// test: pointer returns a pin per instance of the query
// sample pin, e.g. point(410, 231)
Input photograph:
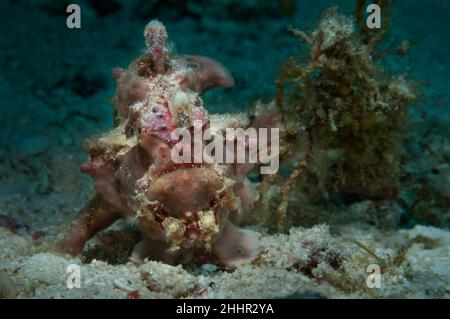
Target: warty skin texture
point(184, 211)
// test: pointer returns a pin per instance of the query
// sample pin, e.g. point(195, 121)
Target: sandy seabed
point(306, 263)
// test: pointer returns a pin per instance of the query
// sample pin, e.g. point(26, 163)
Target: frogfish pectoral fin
point(236, 246)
